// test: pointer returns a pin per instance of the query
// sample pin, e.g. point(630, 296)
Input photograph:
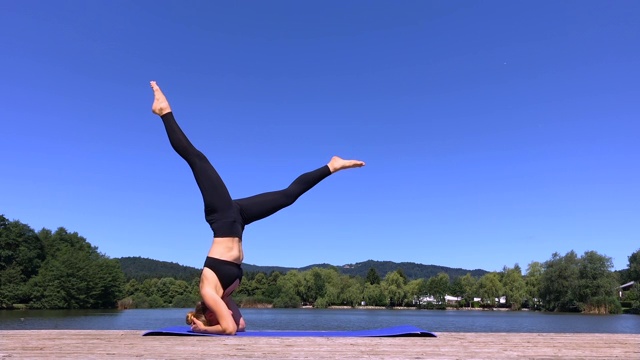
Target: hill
point(411, 270)
point(142, 268)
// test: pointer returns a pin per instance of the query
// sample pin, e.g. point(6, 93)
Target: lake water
point(329, 319)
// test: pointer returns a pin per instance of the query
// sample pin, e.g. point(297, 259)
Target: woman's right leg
point(214, 192)
point(260, 206)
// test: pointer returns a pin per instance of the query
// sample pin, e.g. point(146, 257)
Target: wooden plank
point(82, 344)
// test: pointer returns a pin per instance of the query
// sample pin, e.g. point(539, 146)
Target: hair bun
point(189, 319)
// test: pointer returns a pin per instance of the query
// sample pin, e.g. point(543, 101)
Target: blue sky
point(494, 132)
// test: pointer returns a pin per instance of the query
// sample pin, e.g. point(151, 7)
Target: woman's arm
point(226, 324)
point(235, 312)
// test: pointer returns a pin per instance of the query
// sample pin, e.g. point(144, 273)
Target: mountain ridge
point(140, 268)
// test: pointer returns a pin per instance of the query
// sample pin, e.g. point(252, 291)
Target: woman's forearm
point(217, 329)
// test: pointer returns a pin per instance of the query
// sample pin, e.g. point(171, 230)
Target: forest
point(61, 270)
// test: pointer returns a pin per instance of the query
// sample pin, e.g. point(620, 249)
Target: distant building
point(625, 287)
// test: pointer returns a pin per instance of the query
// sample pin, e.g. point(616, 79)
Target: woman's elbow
point(230, 329)
point(241, 326)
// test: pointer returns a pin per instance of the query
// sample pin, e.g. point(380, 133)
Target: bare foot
point(337, 164)
point(160, 104)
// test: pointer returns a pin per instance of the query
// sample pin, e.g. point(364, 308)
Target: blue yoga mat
point(396, 331)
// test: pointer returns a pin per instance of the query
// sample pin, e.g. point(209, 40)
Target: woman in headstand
point(217, 313)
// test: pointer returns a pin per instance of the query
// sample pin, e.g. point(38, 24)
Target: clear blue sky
point(494, 132)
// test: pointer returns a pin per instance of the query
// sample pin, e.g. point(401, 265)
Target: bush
point(126, 303)
point(253, 301)
point(156, 301)
point(626, 304)
point(185, 301)
point(321, 303)
point(287, 301)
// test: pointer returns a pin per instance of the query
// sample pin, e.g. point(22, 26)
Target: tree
point(291, 284)
point(372, 276)
point(596, 290)
point(74, 275)
point(352, 292)
point(314, 285)
point(633, 296)
point(468, 285)
point(416, 288)
point(11, 288)
point(163, 289)
point(514, 286)
point(374, 295)
point(393, 287)
point(533, 281)
point(20, 247)
point(273, 290)
point(464, 287)
point(21, 255)
point(438, 287)
point(559, 282)
point(334, 287)
point(489, 288)
point(259, 284)
point(634, 266)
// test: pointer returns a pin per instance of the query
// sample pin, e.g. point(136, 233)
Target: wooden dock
point(83, 344)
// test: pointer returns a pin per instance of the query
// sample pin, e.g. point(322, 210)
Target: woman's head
point(199, 314)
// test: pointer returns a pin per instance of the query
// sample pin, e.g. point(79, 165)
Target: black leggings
point(228, 217)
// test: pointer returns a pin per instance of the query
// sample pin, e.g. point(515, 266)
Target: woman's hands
point(198, 326)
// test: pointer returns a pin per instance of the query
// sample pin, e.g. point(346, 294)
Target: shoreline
point(366, 307)
point(117, 344)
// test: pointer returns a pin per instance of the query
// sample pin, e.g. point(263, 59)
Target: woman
point(217, 313)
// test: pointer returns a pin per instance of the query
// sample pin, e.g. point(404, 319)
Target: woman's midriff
point(228, 248)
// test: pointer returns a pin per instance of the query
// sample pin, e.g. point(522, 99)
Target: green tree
point(333, 288)
point(184, 301)
point(273, 290)
point(372, 276)
point(374, 295)
point(634, 266)
point(21, 255)
point(467, 286)
point(515, 288)
point(313, 285)
point(163, 289)
point(403, 276)
point(533, 283)
point(415, 289)
point(131, 287)
point(148, 287)
point(292, 285)
point(438, 287)
point(559, 282)
point(352, 290)
point(11, 287)
point(258, 284)
point(393, 287)
point(74, 275)
point(107, 283)
point(633, 296)
point(597, 284)
point(489, 288)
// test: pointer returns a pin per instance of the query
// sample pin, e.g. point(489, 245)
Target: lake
point(329, 319)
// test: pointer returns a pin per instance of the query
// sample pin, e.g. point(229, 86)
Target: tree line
point(54, 270)
point(61, 270)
